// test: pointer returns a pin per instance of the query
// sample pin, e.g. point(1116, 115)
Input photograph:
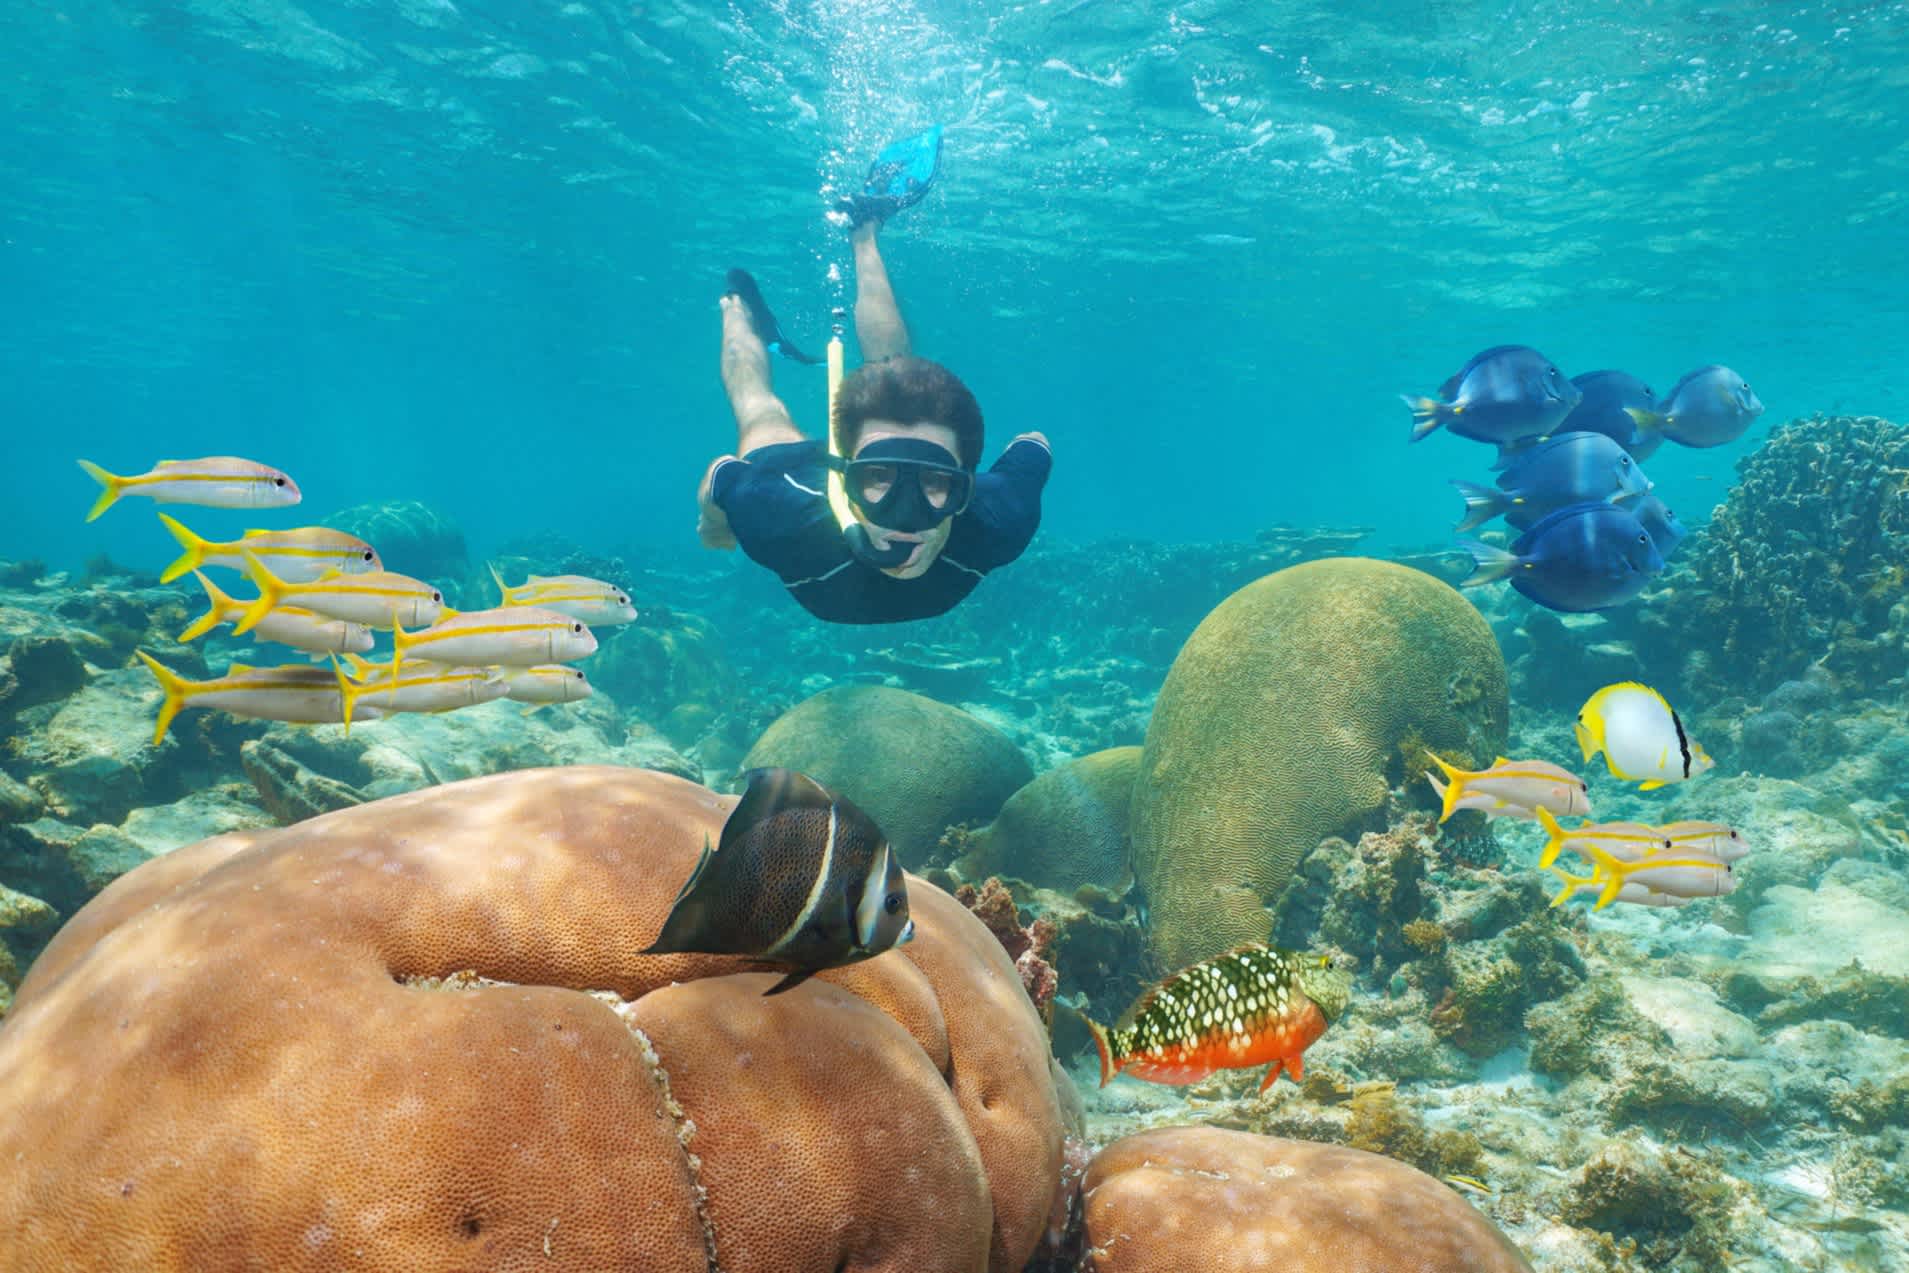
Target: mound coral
point(418, 1034)
point(1201, 1198)
point(1287, 715)
point(917, 766)
point(1065, 829)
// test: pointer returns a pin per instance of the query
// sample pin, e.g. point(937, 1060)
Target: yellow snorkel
point(853, 532)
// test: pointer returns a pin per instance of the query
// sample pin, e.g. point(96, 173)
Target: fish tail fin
point(271, 592)
point(111, 488)
point(1108, 1066)
point(1608, 871)
point(502, 587)
point(1554, 844)
point(176, 689)
point(194, 555)
point(1489, 564)
point(217, 604)
point(1427, 414)
point(1647, 421)
point(399, 639)
point(1572, 883)
point(1482, 503)
point(1454, 788)
point(347, 692)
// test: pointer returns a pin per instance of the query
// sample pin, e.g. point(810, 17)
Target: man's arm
point(1006, 509)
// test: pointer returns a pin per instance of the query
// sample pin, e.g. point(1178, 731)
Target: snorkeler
point(915, 526)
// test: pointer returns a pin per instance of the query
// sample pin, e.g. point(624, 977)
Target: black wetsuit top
point(777, 504)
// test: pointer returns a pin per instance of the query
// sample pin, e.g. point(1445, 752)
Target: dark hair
point(907, 390)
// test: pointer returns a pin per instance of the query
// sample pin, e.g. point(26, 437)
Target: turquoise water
point(470, 252)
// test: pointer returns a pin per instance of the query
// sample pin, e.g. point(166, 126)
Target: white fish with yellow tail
point(1642, 738)
point(1625, 841)
point(302, 693)
point(419, 687)
point(547, 683)
point(1488, 804)
point(1714, 839)
point(515, 636)
point(217, 481)
point(1524, 784)
point(596, 603)
point(379, 599)
point(301, 629)
point(1686, 875)
point(296, 556)
point(1635, 894)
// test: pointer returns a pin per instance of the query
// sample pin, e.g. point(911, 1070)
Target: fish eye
point(279, 481)
point(892, 904)
point(437, 596)
point(1624, 463)
point(369, 555)
point(576, 627)
point(579, 674)
point(1644, 538)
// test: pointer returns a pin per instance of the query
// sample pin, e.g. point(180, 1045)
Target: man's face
point(929, 543)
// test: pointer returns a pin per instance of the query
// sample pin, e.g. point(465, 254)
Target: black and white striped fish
point(801, 879)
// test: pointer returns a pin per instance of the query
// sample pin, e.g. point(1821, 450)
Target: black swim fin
point(899, 178)
point(744, 289)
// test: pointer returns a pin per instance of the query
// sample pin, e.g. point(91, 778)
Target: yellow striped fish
point(299, 692)
point(296, 556)
point(217, 481)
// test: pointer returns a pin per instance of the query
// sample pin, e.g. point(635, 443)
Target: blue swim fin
point(899, 178)
point(743, 288)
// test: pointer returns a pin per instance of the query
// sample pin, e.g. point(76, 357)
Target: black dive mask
point(905, 484)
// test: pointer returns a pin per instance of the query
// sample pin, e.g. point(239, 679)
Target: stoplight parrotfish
point(1252, 1005)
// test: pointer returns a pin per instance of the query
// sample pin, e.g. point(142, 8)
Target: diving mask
point(905, 484)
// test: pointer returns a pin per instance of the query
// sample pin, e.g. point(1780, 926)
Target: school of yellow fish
point(324, 593)
point(1642, 740)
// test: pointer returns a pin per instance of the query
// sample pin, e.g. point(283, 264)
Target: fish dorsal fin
point(1502, 760)
point(330, 572)
point(771, 791)
point(702, 864)
point(254, 534)
point(239, 669)
point(540, 578)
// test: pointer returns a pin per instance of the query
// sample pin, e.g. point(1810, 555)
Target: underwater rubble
point(1717, 1086)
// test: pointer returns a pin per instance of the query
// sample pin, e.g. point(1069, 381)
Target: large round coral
point(420, 1034)
point(1289, 712)
point(1183, 1198)
point(1066, 828)
point(917, 766)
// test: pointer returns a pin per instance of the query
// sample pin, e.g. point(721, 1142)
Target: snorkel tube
point(854, 534)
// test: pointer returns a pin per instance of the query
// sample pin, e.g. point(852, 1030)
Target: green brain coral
point(1066, 828)
point(916, 766)
point(1289, 712)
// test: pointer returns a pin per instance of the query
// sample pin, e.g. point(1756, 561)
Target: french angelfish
point(1503, 394)
point(1252, 1005)
point(801, 880)
point(1642, 737)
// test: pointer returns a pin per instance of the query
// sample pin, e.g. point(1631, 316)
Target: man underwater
point(907, 437)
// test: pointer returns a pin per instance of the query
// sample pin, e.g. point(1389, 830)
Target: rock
point(1065, 829)
point(199, 816)
point(289, 791)
point(668, 661)
point(19, 802)
point(66, 864)
point(93, 760)
point(1675, 1212)
point(40, 669)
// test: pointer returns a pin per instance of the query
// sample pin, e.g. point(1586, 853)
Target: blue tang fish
point(1506, 393)
point(1709, 407)
point(1609, 397)
point(1665, 530)
point(1565, 468)
point(1581, 557)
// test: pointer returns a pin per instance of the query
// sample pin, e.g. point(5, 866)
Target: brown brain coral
point(1066, 828)
point(917, 766)
point(1288, 713)
point(1183, 1198)
point(417, 1034)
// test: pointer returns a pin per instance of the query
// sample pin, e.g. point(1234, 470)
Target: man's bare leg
point(761, 419)
point(878, 321)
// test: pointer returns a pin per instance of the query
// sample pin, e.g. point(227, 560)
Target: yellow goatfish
point(1677, 874)
point(288, 625)
point(422, 687)
point(296, 556)
point(516, 636)
point(1635, 894)
point(1625, 841)
point(1527, 784)
point(548, 683)
point(597, 603)
point(299, 692)
point(380, 599)
point(217, 481)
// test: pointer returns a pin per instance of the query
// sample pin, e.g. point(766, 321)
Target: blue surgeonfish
point(1581, 557)
point(1709, 407)
point(1642, 737)
point(1665, 530)
point(801, 880)
point(1609, 398)
point(1566, 468)
point(1503, 394)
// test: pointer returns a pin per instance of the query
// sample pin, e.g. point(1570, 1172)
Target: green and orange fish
point(1252, 1005)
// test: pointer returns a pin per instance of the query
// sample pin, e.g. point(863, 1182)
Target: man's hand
point(1032, 437)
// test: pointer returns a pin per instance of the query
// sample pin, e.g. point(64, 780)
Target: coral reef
point(466, 981)
point(1286, 717)
point(1066, 829)
point(417, 540)
point(1028, 945)
point(917, 766)
point(1202, 1198)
